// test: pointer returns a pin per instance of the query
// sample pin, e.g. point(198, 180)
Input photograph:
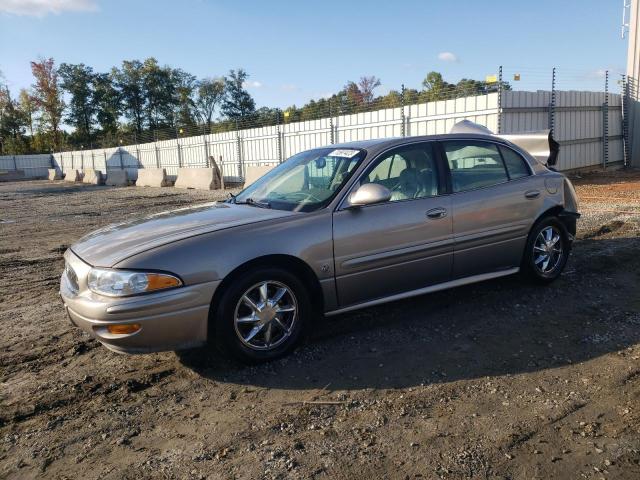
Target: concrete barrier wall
point(199, 178)
point(152, 177)
point(54, 174)
point(117, 178)
point(73, 176)
point(255, 172)
point(94, 177)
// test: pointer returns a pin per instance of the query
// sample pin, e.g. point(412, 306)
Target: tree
point(107, 102)
point(210, 92)
point(12, 124)
point(159, 93)
point(28, 108)
point(77, 80)
point(130, 82)
point(237, 101)
point(47, 96)
point(436, 88)
point(367, 85)
point(184, 88)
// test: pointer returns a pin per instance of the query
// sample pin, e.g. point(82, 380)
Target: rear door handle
point(437, 213)
point(532, 194)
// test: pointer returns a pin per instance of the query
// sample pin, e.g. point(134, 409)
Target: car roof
point(384, 143)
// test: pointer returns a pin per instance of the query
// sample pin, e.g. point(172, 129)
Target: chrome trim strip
point(421, 291)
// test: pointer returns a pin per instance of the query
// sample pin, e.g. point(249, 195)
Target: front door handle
point(532, 194)
point(437, 213)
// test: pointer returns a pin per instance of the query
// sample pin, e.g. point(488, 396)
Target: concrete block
point(117, 178)
point(152, 177)
point(54, 174)
point(11, 175)
point(254, 172)
point(199, 178)
point(73, 176)
point(94, 177)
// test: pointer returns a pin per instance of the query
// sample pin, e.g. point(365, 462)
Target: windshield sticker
point(343, 153)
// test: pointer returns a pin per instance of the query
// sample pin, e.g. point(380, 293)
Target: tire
point(539, 249)
point(277, 326)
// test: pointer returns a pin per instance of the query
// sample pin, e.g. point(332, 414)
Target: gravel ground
point(496, 380)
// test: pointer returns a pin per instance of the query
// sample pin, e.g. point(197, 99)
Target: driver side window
point(409, 172)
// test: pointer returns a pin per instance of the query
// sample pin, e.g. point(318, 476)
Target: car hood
point(114, 243)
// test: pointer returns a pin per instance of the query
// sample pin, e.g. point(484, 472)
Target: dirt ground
point(496, 380)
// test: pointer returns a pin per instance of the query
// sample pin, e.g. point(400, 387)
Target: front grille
point(72, 278)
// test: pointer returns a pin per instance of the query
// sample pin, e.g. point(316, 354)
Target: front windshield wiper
point(252, 202)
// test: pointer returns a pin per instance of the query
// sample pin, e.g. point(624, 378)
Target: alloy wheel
point(547, 250)
point(265, 315)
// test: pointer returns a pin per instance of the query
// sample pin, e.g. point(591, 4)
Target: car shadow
point(499, 327)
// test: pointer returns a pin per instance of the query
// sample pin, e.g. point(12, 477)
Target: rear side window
point(516, 165)
point(474, 164)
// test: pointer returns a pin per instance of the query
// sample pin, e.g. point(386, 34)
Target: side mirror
point(368, 194)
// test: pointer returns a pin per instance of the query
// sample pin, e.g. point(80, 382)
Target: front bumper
point(170, 320)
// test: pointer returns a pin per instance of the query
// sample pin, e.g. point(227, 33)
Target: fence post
point(121, 162)
point(206, 150)
point(605, 122)
point(82, 160)
point(106, 166)
point(179, 153)
point(499, 126)
point(278, 144)
point(93, 160)
point(552, 104)
point(239, 151)
point(402, 117)
point(332, 139)
point(625, 119)
point(15, 163)
point(155, 147)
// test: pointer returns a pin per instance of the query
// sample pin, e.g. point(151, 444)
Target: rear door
point(493, 206)
point(401, 245)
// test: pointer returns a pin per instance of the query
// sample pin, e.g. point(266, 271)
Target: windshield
point(306, 182)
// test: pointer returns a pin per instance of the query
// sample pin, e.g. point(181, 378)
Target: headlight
point(122, 283)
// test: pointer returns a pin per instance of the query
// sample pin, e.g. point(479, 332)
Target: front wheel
point(261, 316)
point(547, 251)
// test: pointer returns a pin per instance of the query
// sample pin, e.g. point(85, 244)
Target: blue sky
point(297, 50)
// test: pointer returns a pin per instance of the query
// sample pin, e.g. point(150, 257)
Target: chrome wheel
point(265, 315)
point(547, 250)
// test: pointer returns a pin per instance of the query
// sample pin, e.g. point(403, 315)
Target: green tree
point(78, 81)
point(107, 102)
point(237, 101)
point(184, 92)
point(28, 108)
point(210, 92)
point(130, 82)
point(48, 97)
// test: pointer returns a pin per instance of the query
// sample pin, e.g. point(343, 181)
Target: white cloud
point(448, 57)
point(40, 8)
point(252, 84)
point(289, 87)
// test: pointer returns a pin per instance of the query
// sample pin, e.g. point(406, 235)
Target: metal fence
point(588, 125)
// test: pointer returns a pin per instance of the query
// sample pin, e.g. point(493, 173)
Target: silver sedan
point(330, 230)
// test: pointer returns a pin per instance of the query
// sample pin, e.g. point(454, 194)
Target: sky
point(298, 50)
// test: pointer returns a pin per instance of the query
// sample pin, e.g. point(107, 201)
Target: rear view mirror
point(321, 163)
point(369, 194)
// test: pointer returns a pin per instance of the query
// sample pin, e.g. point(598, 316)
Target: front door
point(397, 246)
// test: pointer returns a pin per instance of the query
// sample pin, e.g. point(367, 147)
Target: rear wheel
point(547, 251)
point(262, 315)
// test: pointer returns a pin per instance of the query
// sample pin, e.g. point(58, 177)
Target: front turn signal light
point(123, 329)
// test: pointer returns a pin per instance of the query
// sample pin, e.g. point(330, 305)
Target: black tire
point(533, 258)
point(226, 333)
